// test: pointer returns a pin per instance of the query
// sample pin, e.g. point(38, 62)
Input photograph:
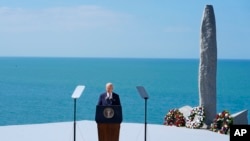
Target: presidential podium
point(108, 119)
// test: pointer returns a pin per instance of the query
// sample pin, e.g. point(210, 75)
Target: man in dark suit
point(109, 97)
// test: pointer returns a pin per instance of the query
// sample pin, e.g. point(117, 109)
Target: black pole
point(74, 119)
point(145, 137)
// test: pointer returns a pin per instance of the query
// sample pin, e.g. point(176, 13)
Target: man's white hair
point(109, 84)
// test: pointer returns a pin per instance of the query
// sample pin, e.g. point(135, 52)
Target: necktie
point(109, 99)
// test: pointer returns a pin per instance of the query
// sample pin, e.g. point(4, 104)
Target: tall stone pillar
point(208, 64)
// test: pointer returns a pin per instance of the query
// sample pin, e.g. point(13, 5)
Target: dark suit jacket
point(105, 102)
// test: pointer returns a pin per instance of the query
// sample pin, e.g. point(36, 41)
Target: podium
point(108, 119)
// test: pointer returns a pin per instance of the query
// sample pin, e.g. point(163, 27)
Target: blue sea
point(38, 90)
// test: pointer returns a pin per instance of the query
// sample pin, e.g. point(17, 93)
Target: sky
point(121, 28)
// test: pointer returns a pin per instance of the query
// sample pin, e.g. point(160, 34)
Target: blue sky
point(121, 28)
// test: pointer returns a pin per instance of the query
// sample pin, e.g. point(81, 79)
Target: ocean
point(38, 90)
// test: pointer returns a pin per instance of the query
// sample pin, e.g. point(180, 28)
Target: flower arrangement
point(222, 123)
point(174, 118)
point(196, 118)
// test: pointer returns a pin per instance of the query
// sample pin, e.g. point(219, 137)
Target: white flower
point(226, 115)
point(196, 118)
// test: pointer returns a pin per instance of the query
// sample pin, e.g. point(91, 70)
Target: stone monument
point(208, 64)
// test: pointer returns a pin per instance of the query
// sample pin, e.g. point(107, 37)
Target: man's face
point(109, 88)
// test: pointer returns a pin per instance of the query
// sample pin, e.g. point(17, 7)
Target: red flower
point(174, 117)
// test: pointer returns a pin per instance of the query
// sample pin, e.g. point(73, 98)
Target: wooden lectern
point(108, 119)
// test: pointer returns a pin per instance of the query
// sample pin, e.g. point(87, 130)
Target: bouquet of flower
point(222, 123)
point(196, 118)
point(174, 118)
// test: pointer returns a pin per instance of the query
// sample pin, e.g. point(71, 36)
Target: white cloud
point(59, 18)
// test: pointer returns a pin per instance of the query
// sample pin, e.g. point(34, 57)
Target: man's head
point(109, 87)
